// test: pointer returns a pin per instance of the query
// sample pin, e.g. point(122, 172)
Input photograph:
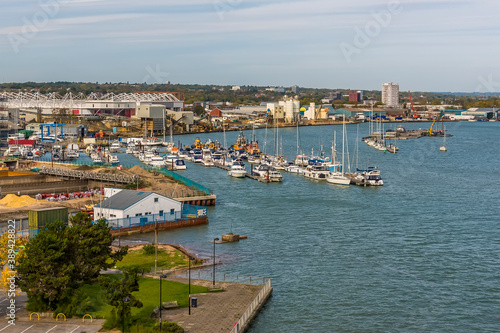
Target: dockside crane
point(415, 115)
point(441, 114)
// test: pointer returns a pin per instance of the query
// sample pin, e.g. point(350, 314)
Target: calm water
point(420, 254)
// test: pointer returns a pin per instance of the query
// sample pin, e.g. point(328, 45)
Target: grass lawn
point(166, 260)
point(149, 294)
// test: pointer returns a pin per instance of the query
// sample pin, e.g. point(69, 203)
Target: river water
point(420, 254)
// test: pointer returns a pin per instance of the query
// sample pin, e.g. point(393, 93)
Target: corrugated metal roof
point(123, 199)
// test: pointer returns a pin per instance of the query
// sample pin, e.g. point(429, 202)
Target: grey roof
point(123, 199)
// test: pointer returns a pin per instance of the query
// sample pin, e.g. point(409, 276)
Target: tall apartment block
point(390, 94)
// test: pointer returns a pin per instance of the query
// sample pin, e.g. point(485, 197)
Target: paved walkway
point(44, 325)
point(217, 311)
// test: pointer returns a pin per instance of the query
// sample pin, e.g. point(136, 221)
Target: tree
point(60, 259)
point(199, 110)
point(117, 291)
point(5, 246)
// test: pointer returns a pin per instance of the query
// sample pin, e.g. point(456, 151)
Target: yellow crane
point(436, 119)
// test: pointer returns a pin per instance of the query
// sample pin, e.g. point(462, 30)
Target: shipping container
point(39, 218)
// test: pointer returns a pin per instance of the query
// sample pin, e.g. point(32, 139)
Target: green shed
point(39, 218)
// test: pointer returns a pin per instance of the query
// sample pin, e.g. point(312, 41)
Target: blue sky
point(434, 45)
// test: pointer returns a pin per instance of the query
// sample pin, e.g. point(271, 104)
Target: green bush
point(112, 321)
point(166, 327)
point(78, 305)
point(149, 249)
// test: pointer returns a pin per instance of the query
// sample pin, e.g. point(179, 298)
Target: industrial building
point(124, 104)
point(287, 109)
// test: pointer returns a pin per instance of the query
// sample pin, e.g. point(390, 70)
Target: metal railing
point(186, 181)
point(250, 311)
point(99, 176)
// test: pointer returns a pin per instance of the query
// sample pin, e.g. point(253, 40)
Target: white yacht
point(156, 161)
point(237, 171)
point(267, 172)
point(207, 161)
point(151, 142)
point(179, 165)
point(316, 171)
point(131, 148)
point(369, 177)
point(301, 160)
point(115, 147)
point(183, 153)
point(72, 151)
point(113, 159)
point(292, 168)
point(338, 178)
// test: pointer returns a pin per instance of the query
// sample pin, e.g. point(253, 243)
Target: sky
point(424, 45)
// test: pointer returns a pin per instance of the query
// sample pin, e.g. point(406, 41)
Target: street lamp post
point(163, 276)
point(215, 240)
point(125, 300)
point(189, 283)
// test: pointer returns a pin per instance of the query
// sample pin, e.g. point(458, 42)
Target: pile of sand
point(137, 170)
point(12, 200)
point(84, 168)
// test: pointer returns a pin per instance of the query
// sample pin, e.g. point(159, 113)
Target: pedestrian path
point(216, 311)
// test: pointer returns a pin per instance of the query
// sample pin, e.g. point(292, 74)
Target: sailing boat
point(443, 146)
point(338, 177)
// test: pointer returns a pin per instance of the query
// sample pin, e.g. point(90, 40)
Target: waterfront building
point(390, 94)
point(120, 203)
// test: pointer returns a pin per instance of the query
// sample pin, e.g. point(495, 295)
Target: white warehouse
point(121, 204)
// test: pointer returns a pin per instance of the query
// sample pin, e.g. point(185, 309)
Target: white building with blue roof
point(123, 204)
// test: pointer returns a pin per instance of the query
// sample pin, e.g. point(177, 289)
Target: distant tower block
point(390, 94)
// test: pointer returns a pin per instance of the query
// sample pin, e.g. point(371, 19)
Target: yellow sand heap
point(12, 200)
